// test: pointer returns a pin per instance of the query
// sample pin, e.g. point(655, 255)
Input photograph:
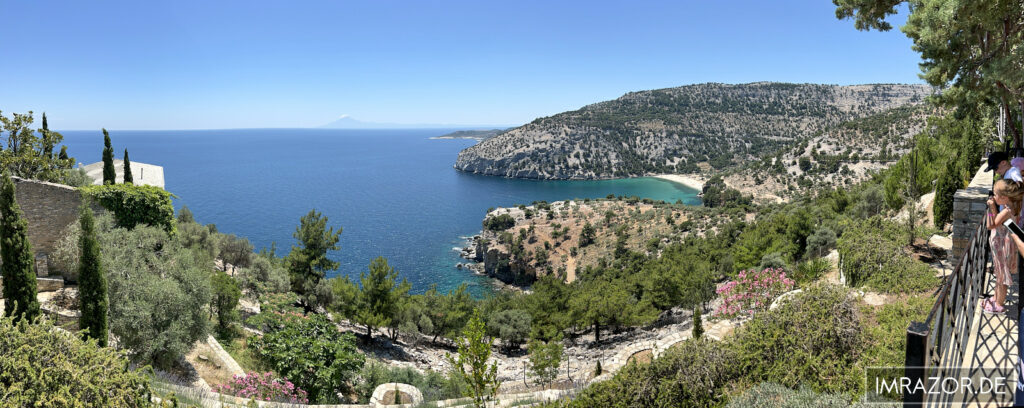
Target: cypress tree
point(47, 140)
point(18, 268)
point(109, 174)
point(128, 179)
point(698, 323)
point(92, 285)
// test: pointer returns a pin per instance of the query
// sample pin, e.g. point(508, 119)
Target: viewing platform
point(959, 343)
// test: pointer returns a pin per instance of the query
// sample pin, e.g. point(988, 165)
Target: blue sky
point(244, 64)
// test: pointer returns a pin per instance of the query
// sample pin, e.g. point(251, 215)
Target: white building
point(142, 173)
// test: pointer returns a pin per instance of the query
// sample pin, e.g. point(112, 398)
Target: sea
point(394, 193)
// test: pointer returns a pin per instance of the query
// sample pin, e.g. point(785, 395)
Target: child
point(1008, 194)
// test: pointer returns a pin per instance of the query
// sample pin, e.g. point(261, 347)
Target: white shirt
point(1013, 174)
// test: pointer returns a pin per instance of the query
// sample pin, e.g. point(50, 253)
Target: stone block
point(42, 267)
point(49, 284)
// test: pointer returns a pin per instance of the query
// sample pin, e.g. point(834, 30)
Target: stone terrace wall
point(968, 210)
point(49, 208)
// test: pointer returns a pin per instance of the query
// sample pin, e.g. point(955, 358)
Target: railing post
point(914, 366)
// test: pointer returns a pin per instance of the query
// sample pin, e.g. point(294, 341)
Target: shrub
point(264, 387)
point(46, 367)
point(812, 339)
point(809, 271)
point(63, 260)
point(753, 290)
point(775, 395)
point(203, 239)
point(311, 352)
point(157, 293)
point(264, 277)
point(511, 326)
point(873, 256)
point(870, 202)
point(235, 251)
point(820, 243)
point(133, 205)
point(275, 310)
point(885, 330)
point(499, 222)
point(434, 385)
point(225, 300)
point(691, 374)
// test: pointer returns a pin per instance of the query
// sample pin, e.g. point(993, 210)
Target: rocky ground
point(555, 230)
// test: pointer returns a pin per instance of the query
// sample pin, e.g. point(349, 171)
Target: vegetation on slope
point(676, 129)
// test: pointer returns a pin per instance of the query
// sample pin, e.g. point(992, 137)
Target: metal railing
point(936, 347)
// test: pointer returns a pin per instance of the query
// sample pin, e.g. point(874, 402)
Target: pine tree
point(109, 174)
point(698, 323)
point(92, 285)
point(128, 179)
point(18, 268)
point(63, 153)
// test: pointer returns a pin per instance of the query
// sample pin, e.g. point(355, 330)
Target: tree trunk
point(597, 332)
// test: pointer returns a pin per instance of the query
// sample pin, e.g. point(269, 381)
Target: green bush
point(434, 385)
point(691, 374)
point(46, 367)
point(872, 255)
point(63, 260)
point(885, 334)
point(264, 276)
point(777, 396)
point(820, 243)
point(158, 292)
point(809, 271)
point(813, 339)
point(312, 353)
point(511, 326)
point(225, 300)
point(499, 222)
point(133, 205)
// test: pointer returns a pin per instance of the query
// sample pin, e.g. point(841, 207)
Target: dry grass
point(208, 365)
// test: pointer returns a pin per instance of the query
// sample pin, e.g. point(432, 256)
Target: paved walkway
point(992, 350)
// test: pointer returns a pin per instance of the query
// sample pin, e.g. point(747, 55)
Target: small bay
point(394, 192)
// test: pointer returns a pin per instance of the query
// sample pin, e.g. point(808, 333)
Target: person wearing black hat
point(999, 162)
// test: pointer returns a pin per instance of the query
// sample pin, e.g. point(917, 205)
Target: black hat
point(994, 159)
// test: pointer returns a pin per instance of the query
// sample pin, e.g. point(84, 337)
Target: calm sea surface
point(394, 192)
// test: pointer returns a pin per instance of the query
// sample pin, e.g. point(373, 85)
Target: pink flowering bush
point(752, 291)
point(263, 387)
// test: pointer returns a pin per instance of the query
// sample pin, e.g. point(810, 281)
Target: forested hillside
point(679, 129)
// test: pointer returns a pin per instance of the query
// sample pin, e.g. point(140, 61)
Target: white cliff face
point(670, 130)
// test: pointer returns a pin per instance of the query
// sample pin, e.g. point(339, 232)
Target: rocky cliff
point(678, 129)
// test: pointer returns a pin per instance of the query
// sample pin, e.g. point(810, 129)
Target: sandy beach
point(690, 181)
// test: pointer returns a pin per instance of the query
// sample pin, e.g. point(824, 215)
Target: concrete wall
point(969, 209)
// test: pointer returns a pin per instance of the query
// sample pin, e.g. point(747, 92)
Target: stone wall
point(49, 208)
point(968, 210)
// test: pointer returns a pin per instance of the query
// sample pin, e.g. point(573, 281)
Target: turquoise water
point(394, 192)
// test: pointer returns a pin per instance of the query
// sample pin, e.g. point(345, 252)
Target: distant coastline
point(478, 135)
point(688, 180)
